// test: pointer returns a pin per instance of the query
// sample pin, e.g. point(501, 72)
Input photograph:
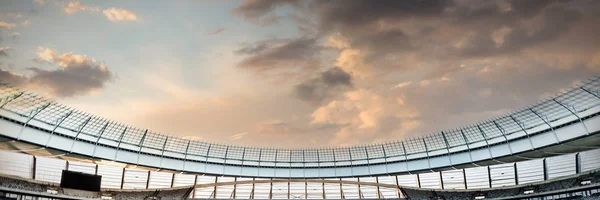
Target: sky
point(297, 74)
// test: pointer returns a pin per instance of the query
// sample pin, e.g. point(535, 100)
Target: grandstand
point(549, 150)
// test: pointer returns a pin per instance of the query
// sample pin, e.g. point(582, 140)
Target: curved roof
point(61, 119)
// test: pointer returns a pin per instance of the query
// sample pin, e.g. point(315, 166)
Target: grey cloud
point(273, 54)
point(71, 81)
point(3, 53)
point(448, 104)
point(359, 13)
point(217, 31)
point(260, 11)
point(328, 84)
point(77, 75)
point(8, 77)
point(555, 22)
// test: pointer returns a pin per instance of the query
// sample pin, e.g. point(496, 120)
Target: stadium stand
point(549, 150)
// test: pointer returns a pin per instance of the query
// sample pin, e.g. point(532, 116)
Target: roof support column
point(546, 122)
point(98, 139)
point(447, 149)
point(187, 148)
point(9, 99)
point(59, 121)
point(78, 132)
point(119, 144)
point(140, 145)
point(503, 135)
point(405, 157)
point(468, 147)
point(485, 138)
point(162, 154)
point(32, 114)
point(427, 153)
point(586, 90)
point(574, 113)
point(523, 129)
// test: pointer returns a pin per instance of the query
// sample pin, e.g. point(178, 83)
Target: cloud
point(238, 136)
point(327, 84)
point(118, 14)
point(76, 6)
point(3, 52)
point(363, 115)
point(15, 34)
point(6, 25)
point(11, 78)
point(41, 2)
point(217, 31)
point(278, 54)
point(77, 75)
point(260, 11)
point(401, 85)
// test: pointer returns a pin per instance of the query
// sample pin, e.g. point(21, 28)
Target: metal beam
point(468, 147)
point(503, 135)
point(98, 140)
point(78, 132)
point(548, 124)
point(162, 153)
point(447, 149)
point(119, 143)
point(523, 129)
point(32, 114)
point(58, 123)
point(9, 99)
point(573, 112)
point(140, 145)
point(596, 95)
point(185, 155)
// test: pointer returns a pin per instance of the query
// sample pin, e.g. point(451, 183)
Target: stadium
point(548, 150)
point(300, 99)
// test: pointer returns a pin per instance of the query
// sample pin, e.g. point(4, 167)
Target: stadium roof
point(574, 105)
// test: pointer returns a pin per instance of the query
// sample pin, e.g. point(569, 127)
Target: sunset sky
point(298, 73)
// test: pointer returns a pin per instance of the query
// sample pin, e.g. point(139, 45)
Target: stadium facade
point(553, 139)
